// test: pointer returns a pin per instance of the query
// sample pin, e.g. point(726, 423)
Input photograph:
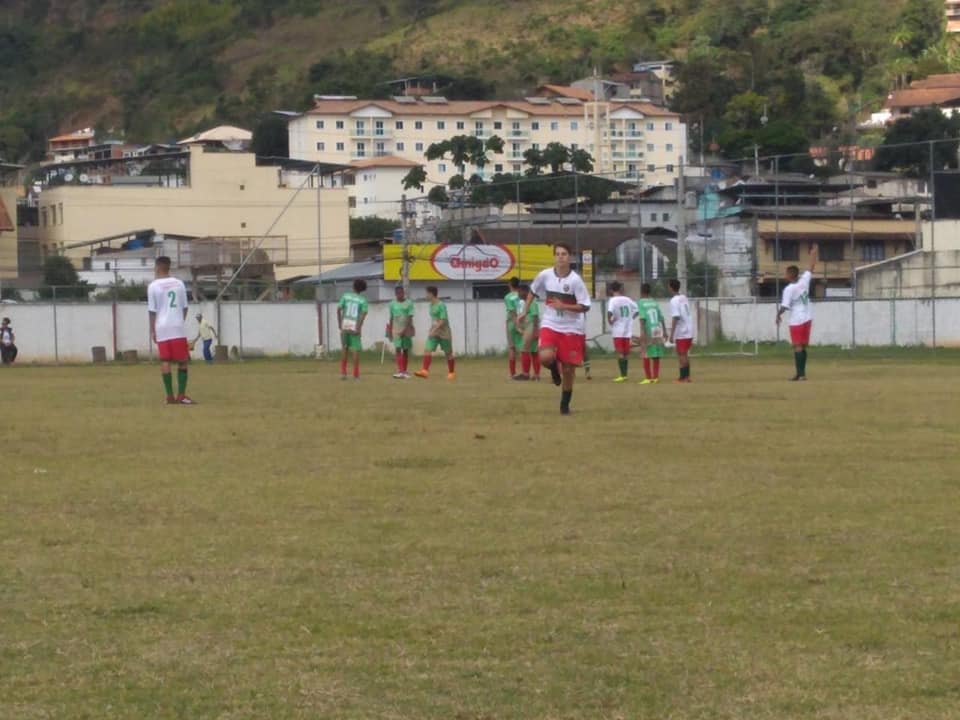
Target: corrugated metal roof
point(367, 270)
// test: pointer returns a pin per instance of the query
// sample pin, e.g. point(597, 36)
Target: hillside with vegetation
point(154, 70)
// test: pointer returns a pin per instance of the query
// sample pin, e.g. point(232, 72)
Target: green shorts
point(404, 342)
point(654, 350)
point(515, 338)
point(444, 344)
point(350, 341)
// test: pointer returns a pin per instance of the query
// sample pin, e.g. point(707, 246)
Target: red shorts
point(684, 345)
point(174, 350)
point(569, 346)
point(800, 334)
point(621, 346)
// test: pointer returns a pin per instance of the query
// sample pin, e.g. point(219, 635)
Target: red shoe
point(185, 400)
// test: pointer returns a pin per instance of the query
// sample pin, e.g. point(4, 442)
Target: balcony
point(374, 133)
point(616, 134)
point(632, 155)
point(517, 135)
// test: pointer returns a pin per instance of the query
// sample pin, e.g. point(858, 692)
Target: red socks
point(427, 359)
point(536, 364)
point(450, 363)
point(513, 365)
point(656, 368)
point(525, 360)
point(646, 369)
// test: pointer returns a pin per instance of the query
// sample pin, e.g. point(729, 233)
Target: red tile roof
point(5, 222)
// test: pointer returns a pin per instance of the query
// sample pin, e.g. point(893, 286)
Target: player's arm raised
point(814, 256)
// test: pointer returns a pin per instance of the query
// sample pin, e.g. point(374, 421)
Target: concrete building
point(634, 140)
point(9, 176)
point(941, 91)
point(953, 15)
point(931, 269)
point(225, 195)
point(376, 185)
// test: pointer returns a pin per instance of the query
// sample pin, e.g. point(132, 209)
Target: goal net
point(727, 326)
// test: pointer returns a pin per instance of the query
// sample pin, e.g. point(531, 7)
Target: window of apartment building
point(831, 252)
point(497, 125)
point(418, 125)
point(669, 147)
point(400, 147)
point(574, 125)
point(669, 168)
point(574, 146)
point(378, 128)
point(515, 128)
point(517, 168)
point(60, 205)
point(650, 147)
point(498, 168)
point(554, 125)
point(536, 146)
point(339, 147)
point(442, 167)
point(361, 150)
point(873, 250)
point(398, 125)
point(319, 124)
point(380, 149)
point(478, 128)
point(460, 124)
point(668, 126)
point(339, 124)
point(321, 146)
point(788, 250)
point(649, 126)
point(653, 217)
point(515, 150)
point(361, 126)
point(43, 217)
point(441, 124)
point(351, 202)
point(651, 167)
point(418, 147)
point(535, 125)
point(53, 214)
point(665, 217)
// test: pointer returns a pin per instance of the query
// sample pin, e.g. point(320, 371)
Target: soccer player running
point(167, 307)
point(351, 312)
point(438, 336)
point(562, 324)
point(529, 323)
point(514, 336)
point(796, 299)
point(621, 311)
point(654, 331)
point(681, 331)
point(400, 329)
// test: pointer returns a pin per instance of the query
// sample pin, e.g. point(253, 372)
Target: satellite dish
point(68, 177)
point(84, 178)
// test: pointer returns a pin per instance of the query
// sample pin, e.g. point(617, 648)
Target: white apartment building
point(627, 139)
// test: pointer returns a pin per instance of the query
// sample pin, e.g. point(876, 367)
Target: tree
point(921, 26)
point(59, 273)
point(372, 227)
point(555, 156)
point(271, 137)
point(913, 134)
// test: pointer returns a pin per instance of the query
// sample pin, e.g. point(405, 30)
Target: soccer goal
point(728, 326)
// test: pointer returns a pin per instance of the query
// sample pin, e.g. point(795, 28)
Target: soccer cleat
point(422, 374)
point(185, 400)
point(451, 376)
point(520, 376)
point(796, 378)
point(646, 381)
point(555, 375)
point(564, 410)
point(171, 400)
point(620, 379)
point(398, 376)
point(343, 377)
point(655, 381)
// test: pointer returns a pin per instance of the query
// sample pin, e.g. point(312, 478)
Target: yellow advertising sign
point(467, 262)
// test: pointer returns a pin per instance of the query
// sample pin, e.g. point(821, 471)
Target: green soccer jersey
point(651, 316)
point(352, 308)
point(512, 301)
point(438, 311)
point(533, 314)
point(401, 313)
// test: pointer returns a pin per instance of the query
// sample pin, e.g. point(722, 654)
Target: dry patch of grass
point(299, 547)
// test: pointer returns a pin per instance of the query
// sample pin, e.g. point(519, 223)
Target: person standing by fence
point(167, 308)
point(206, 333)
point(796, 299)
point(8, 342)
point(681, 332)
point(351, 312)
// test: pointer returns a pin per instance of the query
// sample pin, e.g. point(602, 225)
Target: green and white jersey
point(796, 299)
point(438, 311)
point(622, 309)
point(352, 308)
point(512, 303)
point(401, 315)
point(651, 317)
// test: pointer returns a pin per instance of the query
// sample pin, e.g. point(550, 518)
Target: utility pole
point(682, 229)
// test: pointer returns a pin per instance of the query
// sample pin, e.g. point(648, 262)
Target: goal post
point(726, 326)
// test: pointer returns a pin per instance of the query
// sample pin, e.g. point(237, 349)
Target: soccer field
point(299, 547)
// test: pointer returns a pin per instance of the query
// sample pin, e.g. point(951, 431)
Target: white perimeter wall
point(67, 332)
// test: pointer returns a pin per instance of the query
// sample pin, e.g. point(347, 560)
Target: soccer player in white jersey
point(167, 306)
point(796, 299)
point(621, 311)
point(562, 322)
point(681, 332)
